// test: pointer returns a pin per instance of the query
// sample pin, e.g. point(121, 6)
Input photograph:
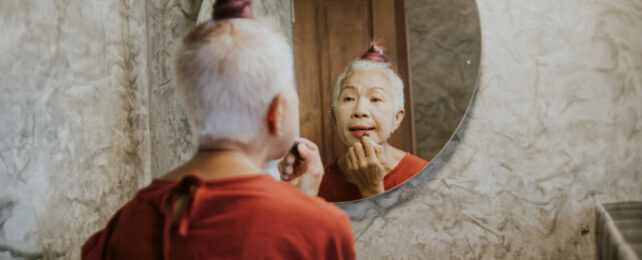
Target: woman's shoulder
point(290, 196)
point(410, 165)
point(414, 158)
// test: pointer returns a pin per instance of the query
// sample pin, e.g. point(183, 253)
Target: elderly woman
point(236, 82)
point(367, 108)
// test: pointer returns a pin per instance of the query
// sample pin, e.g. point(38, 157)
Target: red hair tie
point(374, 54)
point(228, 9)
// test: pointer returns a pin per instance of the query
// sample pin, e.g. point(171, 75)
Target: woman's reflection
point(368, 106)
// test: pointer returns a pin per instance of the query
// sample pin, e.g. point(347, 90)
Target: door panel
point(327, 36)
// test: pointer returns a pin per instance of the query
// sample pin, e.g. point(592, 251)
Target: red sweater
point(335, 188)
point(250, 217)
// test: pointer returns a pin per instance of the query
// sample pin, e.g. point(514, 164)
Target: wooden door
point(327, 36)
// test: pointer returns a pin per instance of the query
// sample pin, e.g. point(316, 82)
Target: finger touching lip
point(361, 133)
point(365, 139)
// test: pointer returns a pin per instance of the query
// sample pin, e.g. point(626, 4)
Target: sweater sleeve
point(95, 247)
point(343, 244)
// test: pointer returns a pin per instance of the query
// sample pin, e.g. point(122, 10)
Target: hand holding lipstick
point(305, 169)
point(364, 162)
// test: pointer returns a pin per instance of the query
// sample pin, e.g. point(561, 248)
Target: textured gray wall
point(171, 136)
point(74, 122)
point(556, 129)
point(445, 46)
point(88, 113)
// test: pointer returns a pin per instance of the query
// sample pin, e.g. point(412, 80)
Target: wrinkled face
point(366, 107)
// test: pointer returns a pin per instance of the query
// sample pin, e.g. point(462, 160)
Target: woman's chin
point(350, 140)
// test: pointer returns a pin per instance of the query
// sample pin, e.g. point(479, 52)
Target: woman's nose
point(360, 110)
point(360, 115)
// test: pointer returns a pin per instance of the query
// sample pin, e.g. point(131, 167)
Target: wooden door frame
point(314, 74)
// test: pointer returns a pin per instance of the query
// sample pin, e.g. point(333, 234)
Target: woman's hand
point(306, 172)
point(365, 166)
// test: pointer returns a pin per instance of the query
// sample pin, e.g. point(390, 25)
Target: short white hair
point(396, 89)
point(227, 73)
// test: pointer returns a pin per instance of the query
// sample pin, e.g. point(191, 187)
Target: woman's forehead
point(367, 80)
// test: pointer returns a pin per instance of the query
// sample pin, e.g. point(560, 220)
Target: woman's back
point(249, 217)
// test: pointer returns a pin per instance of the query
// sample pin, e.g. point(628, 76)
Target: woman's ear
point(398, 118)
point(275, 116)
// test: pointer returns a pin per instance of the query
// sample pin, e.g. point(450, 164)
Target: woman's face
point(366, 107)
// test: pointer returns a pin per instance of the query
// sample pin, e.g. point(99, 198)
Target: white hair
point(396, 89)
point(227, 73)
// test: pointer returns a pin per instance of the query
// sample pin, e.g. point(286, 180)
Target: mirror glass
point(433, 46)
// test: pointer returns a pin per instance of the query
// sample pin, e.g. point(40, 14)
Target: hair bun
point(375, 54)
point(228, 9)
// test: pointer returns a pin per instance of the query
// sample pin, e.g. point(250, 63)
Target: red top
point(250, 217)
point(335, 188)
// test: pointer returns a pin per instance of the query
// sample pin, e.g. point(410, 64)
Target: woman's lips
point(360, 131)
point(359, 134)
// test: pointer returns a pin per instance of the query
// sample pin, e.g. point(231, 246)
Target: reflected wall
point(444, 60)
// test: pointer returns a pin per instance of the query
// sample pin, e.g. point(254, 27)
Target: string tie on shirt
point(186, 188)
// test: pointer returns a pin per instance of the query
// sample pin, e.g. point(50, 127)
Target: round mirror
point(433, 49)
point(433, 46)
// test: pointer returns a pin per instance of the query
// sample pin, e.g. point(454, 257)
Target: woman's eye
point(348, 99)
point(376, 100)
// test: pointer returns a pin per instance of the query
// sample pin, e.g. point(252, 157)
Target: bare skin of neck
point(223, 161)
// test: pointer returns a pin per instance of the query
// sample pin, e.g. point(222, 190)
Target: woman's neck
point(391, 157)
point(216, 163)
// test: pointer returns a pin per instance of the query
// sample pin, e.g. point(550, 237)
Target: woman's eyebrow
point(377, 88)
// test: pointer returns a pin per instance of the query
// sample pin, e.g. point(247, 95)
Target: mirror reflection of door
point(327, 36)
